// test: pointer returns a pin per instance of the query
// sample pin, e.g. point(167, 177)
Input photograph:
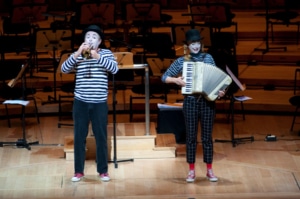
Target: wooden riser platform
point(132, 143)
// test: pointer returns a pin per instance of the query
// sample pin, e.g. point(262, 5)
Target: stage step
point(132, 143)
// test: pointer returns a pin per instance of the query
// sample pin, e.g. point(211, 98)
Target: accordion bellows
point(204, 79)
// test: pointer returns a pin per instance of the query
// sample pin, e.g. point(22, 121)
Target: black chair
point(142, 14)
point(95, 12)
point(22, 21)
point(62, 12)
point(145, 15)
point(286, 17)
point(223, 41)
point(4, 8)
point(295, 100)
point(217, 15)
point(66, 82)
point(18, 25)
point(101, 13)
point(159, 44)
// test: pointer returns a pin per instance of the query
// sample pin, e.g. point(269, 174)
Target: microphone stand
point(21, 143)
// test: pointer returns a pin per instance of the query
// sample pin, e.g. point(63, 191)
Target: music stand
point(20, 143)
point(235, 141)
point(268, 48)
point(123, 61)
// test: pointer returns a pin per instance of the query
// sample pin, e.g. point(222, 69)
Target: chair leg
point(236, 33)
point(124, 99)
point(294, 118)
point(60, 111)
point(272, 32)
point(7, 115)
point(36, 111)
point(243, 111)
point(231, 107)
point(130, 109)
point(298, 25)
point(59, 108)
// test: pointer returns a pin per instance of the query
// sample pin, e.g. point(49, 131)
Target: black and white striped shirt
point(91, 84)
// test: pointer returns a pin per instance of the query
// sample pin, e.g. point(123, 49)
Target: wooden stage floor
point(256, 169)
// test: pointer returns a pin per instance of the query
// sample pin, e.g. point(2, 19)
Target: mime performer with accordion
point(196, 106)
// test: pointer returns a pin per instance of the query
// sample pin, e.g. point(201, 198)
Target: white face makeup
point(195, 47)
point(93, 39)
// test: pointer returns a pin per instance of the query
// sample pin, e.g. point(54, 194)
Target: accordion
point(205, 79)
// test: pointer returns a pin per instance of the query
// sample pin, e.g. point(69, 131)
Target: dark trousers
point(83, 114)
point(198, 109)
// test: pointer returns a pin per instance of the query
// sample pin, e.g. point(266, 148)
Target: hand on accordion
point(176, 80)
point(221, 94)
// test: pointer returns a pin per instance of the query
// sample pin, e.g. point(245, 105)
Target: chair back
point(217, 15)
point(102, 14)
point(179, 30)
point(58, 5)
point(158, 66)
point(143, 11)
point(29, 13)
point(224, 41)
point(160, 44)
point(125, 62)
point(296, 80)
point(26, 2)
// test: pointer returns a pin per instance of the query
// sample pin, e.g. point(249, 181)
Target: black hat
point(192, 35)
point(94, 28)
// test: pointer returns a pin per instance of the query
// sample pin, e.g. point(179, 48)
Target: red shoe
point(210, 176)
point(104, 177)
point(191, 176)
point(77, 177)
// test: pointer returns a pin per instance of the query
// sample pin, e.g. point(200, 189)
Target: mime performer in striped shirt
point(90, 98)
point(195, 107)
